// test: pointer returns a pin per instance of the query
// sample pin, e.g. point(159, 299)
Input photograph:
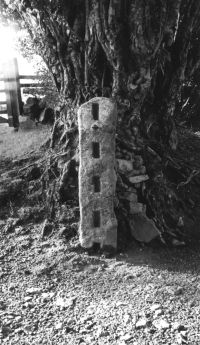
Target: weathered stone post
point(97, 177)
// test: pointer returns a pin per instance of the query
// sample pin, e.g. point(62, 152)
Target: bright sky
point(7, 44)
point(8, 37)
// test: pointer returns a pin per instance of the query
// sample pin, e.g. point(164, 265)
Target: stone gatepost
point(97, 177)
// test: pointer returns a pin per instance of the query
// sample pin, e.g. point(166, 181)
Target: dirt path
point(53, 293)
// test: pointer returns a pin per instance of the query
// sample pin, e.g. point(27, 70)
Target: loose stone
point(141, 323)
point(138, 179)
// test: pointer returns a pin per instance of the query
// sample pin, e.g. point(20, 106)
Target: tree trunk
point(138, 52)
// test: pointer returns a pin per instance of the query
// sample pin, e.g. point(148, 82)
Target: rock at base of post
point(143, 229)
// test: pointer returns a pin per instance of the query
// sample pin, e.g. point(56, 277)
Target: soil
point(54, 292)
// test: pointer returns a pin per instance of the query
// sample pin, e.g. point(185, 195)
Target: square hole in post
point(95, 111)
point(95, 150)
point(97, 184)
point(96, 219)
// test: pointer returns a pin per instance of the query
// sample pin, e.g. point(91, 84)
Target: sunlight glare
point(7, 37)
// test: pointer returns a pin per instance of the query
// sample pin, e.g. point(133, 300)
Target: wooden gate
point(13, 105)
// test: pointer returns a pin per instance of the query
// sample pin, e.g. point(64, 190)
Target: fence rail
point(30, 85)
point(22, 78)
point(3, 112)
point(28, 77)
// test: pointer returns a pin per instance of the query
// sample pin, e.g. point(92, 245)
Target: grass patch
point(14, 145)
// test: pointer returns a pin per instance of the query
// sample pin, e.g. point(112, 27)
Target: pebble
point(141, 323)
point(180, 339)
point(19, 330)
point(85, 319)
point(28, 328)
point(176, 326)
point(120, 304)
point(155, 307)
point(28, 305)
point(33, 291)
point(126, 337)
point(178, 291)
point(101, 332)
point(161, 324)
point(192, 304)
point(47, 295)
point(158, 312)
point(12, 287)
point(58, 325)
point(127, 318)
point(65, 302)
point(18, 318)
point(27, 298)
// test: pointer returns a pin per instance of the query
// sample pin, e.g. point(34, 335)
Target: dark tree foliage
point(139, 51)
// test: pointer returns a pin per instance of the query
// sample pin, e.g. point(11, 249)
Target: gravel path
point(52, 292)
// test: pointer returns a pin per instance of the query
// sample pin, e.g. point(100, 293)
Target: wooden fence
point(13, 83)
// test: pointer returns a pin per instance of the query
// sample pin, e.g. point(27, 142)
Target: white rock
point(179, 339)
point(158, 312)
point(18, 330)
point(27, 298)
point(58, 325)
point(141, 323)
point(176, 325)
point(18, 229)
point(47, 295)
point(138, 179)
point(65, 302)
point(124, 165)
point(155, 307)
point(18, 318)
point(33, 291)
point(127, 318)
point(86, 318)
point(101, 332)
point(120, 303)
point(161, 324)
point(28, 305)
point(126, 337)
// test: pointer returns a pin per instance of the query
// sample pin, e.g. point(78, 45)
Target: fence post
point(18, 86)
point(12, 92)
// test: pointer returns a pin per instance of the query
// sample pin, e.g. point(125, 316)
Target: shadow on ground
point(184, 259)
